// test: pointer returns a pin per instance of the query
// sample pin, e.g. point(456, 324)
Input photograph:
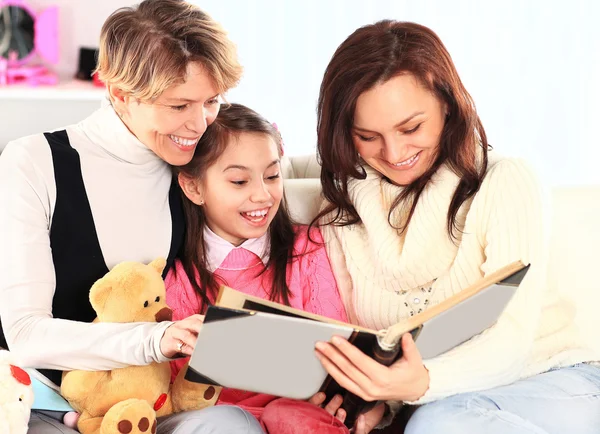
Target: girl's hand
point(366, 422)
point(180, 337)
point(406, 380)
point(332, 407)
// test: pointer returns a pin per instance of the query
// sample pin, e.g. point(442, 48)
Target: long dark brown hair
point(372, 55)
point(232, 120)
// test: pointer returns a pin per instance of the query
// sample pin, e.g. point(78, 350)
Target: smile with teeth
point(183, 141)
point(256, 215)
point(407, 162)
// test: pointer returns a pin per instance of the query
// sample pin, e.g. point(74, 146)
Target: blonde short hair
point(145, 49)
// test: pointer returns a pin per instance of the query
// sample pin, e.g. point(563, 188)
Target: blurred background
point(532, 67)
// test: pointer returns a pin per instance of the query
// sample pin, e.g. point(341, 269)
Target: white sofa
point(575, 238)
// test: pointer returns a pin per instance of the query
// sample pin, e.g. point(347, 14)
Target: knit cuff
point(438, 388)
point(391, 410)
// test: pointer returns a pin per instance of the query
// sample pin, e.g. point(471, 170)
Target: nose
point(260, 193)
point(393, 149)
point(165, 314)
point(198, 120)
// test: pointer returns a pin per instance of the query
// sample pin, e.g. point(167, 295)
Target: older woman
point(75, 202)
point(419, 208)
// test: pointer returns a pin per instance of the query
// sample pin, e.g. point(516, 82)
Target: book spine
point(354, 405)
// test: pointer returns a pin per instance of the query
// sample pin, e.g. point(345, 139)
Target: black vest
point(78, 259)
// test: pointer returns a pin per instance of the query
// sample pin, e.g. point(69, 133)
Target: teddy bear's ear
point(158, 264)
point(99, 293)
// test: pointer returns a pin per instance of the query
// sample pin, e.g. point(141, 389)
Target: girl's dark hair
point(232, 120)
point(370, 56)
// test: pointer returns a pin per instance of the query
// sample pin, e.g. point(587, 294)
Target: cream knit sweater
point(385, 277)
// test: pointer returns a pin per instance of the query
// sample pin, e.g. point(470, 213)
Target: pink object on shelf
point(46, 34)
point(3, 71)
point(42, 37)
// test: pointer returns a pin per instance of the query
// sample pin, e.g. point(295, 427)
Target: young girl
point(239, 233)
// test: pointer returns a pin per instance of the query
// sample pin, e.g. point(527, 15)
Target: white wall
point(531, 66)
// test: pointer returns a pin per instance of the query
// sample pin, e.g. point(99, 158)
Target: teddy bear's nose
point(165, 314)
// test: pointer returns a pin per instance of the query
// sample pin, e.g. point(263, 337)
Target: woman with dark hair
point(418, 208)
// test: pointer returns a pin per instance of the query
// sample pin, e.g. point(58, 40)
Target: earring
point(201, 203)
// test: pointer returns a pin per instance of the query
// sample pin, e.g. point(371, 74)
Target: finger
point(361, 425)
point(362, 379)
point(196, 317)
point(317, 399)
point(359, 359)
point(341, 415)
point(410, 352)
point(333, 405)
point(186, 337)
point(192, 324)
point(339, 376)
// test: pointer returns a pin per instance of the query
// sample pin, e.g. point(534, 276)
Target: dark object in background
point(88, 58)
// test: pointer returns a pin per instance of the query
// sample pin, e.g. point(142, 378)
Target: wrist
point(422, 384)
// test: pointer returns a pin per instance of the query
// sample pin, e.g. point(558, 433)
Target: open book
point(257, 345)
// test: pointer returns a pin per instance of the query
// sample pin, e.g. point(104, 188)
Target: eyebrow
point(399, 124)
point(237, 166)
point(187, 100)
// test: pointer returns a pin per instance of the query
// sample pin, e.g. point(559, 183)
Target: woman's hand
point(406, 380)
point(332, 407)
point(180, 337)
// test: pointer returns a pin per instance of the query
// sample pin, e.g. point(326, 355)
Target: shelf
point(75, 90)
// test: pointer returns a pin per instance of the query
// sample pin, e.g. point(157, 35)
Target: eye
point(240, 183)
point(146, 303)
point(21, 398)
point(213, 101)
point(412, 130)
point(273, 178)
point(157, 299)
point(179, 108)
point(365, 139)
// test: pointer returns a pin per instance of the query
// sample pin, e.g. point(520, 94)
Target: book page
point(233, 299)
point(395, 332)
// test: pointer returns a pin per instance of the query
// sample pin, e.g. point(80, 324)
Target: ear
point(158, 264)
point(99, 294)
point(192, 188)
point(118, 99)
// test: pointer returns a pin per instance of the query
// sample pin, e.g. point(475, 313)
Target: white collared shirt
point(217, 248)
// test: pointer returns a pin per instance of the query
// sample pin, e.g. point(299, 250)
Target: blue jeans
point(561, 401)
point(222, 419)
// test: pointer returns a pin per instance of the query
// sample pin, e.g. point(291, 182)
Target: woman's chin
point(402, 179)
point(177, 159)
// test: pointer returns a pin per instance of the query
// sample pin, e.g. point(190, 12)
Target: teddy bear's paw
point(133, 416)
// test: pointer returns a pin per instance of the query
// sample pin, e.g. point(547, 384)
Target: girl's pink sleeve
point(321, 295)
point(183, 301)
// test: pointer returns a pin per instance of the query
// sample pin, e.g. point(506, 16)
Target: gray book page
point(463, 321)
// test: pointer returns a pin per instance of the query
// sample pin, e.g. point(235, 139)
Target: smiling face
point(397, 128)
point(241, 192)
point(172, 124)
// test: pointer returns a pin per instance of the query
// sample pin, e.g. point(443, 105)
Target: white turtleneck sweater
point(384, 276)
point(128, 189)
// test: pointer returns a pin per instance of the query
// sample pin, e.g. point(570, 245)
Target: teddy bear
point(129, 400)
point(16, 396)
